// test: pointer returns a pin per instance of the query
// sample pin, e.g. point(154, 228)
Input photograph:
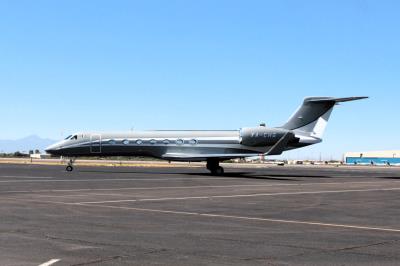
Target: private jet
point(305, 127)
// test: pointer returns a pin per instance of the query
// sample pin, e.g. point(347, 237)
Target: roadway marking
point(27, 177)
point(242, 195)
point(361, 227)
point(376, 183)
point(94, 203)
point(63, 196)
point(346, 226)
point(38, 201)
point(50, 262)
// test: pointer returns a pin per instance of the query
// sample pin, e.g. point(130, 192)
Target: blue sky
point(70, 66)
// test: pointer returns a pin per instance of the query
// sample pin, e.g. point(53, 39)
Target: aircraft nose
point(52, 149)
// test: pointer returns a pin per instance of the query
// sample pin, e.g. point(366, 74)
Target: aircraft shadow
point(248, 175)
point(388, 177)
point(244, 175)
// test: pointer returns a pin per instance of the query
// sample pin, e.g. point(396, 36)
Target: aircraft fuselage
point(169, 145)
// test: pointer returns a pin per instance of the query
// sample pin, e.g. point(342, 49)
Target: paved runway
point(183, 216)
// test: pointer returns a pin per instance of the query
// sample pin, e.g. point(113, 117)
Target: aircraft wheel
point(69, 168)
point(219, 171)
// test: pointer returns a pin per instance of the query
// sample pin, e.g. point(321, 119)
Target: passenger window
point(112, 142)
point(153, 141)
point(179, 141)
point(193, 141)
point(139, 142)
point(125, 142)
point(165, 141)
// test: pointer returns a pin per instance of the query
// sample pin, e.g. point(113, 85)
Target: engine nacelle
point(260, 136)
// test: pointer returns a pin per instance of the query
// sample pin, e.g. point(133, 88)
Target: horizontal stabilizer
point(332, 99)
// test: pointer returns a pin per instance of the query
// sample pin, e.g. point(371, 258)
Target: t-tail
point(310, 120)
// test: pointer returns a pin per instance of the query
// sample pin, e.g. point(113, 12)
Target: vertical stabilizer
point(313, 115)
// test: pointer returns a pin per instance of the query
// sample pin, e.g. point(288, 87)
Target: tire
point(69, 168)
point(219, 171)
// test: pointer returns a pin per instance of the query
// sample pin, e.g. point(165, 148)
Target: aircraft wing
point(201, 157)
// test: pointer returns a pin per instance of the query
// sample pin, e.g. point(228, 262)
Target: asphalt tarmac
point(183, 216)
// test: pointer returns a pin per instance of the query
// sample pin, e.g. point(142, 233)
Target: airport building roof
point(374, 154)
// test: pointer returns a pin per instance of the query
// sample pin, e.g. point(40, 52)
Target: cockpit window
point(74, 137)
point(68, 137)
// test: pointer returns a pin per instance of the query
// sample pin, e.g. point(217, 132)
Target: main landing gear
point(70, 166)
point(213, 166)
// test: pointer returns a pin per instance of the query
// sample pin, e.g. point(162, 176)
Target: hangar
point(373, 157)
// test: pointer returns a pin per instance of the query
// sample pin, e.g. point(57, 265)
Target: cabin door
point(95, 143)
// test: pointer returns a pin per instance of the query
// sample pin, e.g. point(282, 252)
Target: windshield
point(70, 137)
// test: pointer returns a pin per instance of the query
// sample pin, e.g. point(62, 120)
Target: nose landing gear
point(70, 166)
point(215, 169)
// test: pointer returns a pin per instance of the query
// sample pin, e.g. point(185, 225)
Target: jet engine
point(260, 136)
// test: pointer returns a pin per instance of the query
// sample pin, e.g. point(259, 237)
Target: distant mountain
point(26, 144)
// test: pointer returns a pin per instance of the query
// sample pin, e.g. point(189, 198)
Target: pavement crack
point(100, 260)
point(234, 240)
point(16, 231)
point(87, 242)
point(267, 260)
point(117, 257)
point(364, 246)
point(350, 248)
